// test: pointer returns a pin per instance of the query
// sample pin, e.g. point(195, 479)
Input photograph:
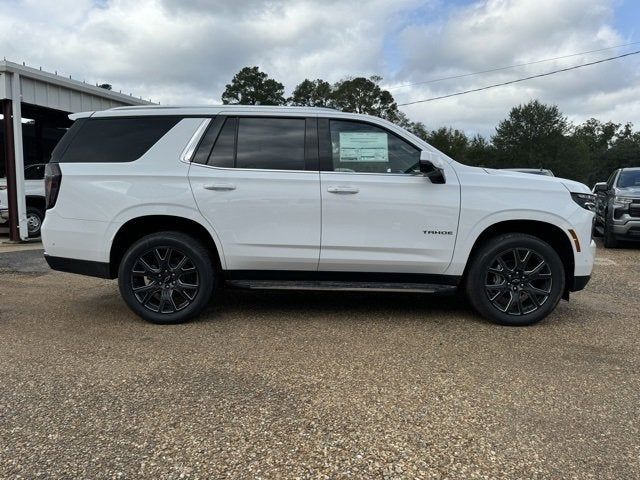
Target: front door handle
point(220, 186)
point(343, 190)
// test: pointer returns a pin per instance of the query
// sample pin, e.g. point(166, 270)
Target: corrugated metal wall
point(45, 94)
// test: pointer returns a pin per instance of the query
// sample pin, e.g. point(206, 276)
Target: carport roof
point(61, 93)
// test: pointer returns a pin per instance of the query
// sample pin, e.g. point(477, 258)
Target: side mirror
point(431, 167)
point(600, 187)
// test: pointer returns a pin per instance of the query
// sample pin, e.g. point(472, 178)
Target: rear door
point(378, 213)
point(256, 180)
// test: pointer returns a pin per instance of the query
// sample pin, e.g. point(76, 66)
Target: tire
point(154, 272)
point(35, 217)
point(534, 285)
point(610, 241)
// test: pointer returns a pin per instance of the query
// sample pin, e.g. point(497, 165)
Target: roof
point(158, 110)
point(213, 110)
point(61, 93)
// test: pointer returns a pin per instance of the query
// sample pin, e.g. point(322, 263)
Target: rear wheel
point(167, 277)
point(515, 279)
point(35, 217)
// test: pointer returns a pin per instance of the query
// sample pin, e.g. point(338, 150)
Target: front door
point(260, 191)
point(378, 214)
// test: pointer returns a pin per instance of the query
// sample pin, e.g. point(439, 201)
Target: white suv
point(176, 202)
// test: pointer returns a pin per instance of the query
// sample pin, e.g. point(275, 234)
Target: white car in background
point(175, 202)
point(34, 193)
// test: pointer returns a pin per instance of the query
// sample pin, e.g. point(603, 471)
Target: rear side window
point(271, 143)
point(223, 151)
point(257, 143)
point(109, 140)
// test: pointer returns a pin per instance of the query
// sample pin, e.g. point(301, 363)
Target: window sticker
point(363, 147)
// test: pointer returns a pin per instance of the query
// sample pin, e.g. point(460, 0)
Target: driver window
point(364, 148)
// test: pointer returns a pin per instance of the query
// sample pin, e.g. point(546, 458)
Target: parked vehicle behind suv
point(177, 202)
point(618, 207)
point(35, 198)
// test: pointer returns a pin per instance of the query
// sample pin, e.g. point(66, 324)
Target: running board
point(341, 286)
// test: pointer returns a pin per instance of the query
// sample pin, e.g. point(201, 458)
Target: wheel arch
point(552, 234)
point(138, 227)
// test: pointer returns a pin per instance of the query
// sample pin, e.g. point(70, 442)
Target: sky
point(184, 52)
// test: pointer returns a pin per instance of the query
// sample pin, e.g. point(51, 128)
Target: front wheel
point(167, 277)
point(515, 279)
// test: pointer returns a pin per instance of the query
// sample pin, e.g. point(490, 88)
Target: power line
point(575, 67)
point(497, 69)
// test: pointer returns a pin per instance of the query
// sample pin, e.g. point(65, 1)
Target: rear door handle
point(343, 190)
point(220, 186)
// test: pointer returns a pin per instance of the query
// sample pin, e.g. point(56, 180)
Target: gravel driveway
point(316, 385)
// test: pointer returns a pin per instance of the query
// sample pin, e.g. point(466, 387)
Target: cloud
point(498, 33)
point(185, 51)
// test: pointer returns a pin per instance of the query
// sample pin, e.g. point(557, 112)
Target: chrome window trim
point(234, 169)
point(189, 150)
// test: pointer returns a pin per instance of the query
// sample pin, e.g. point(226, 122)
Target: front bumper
point(629, 230)
point(4, 215)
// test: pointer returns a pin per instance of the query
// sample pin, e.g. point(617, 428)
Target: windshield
point(630, 178)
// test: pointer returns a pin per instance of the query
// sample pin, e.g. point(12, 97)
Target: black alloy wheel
point(164, 280)
point(167, 277)
point(518, 281)
point(515, 279)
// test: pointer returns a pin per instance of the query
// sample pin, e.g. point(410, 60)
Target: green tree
point(572, 160)
point(480, 152)
point(312, 93)
point(597, 136)
point(450, 142)
point(250, 86)
point(624, 152)
point(364, 95)
point(531, 136)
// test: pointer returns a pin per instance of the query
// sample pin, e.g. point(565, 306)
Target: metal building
point(34, 115)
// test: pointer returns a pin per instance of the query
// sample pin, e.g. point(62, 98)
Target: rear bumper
point(81, 267)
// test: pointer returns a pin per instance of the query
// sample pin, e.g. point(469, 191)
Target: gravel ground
point(306, 385)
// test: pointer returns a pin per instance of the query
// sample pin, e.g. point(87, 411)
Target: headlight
point(585, 200)
point(622, 201)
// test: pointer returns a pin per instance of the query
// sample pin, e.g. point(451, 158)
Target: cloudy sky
point(185, 51)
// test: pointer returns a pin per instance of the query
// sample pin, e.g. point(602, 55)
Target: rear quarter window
point(109, 140)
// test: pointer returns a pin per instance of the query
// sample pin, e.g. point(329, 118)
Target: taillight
point(52, 180)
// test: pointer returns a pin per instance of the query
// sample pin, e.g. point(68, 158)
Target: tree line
point(534, 135)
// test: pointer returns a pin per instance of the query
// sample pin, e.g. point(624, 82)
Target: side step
point(341, 286)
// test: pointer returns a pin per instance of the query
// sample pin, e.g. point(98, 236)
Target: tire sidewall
point(477, 276)
point(38, 213)
point(192, 248)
